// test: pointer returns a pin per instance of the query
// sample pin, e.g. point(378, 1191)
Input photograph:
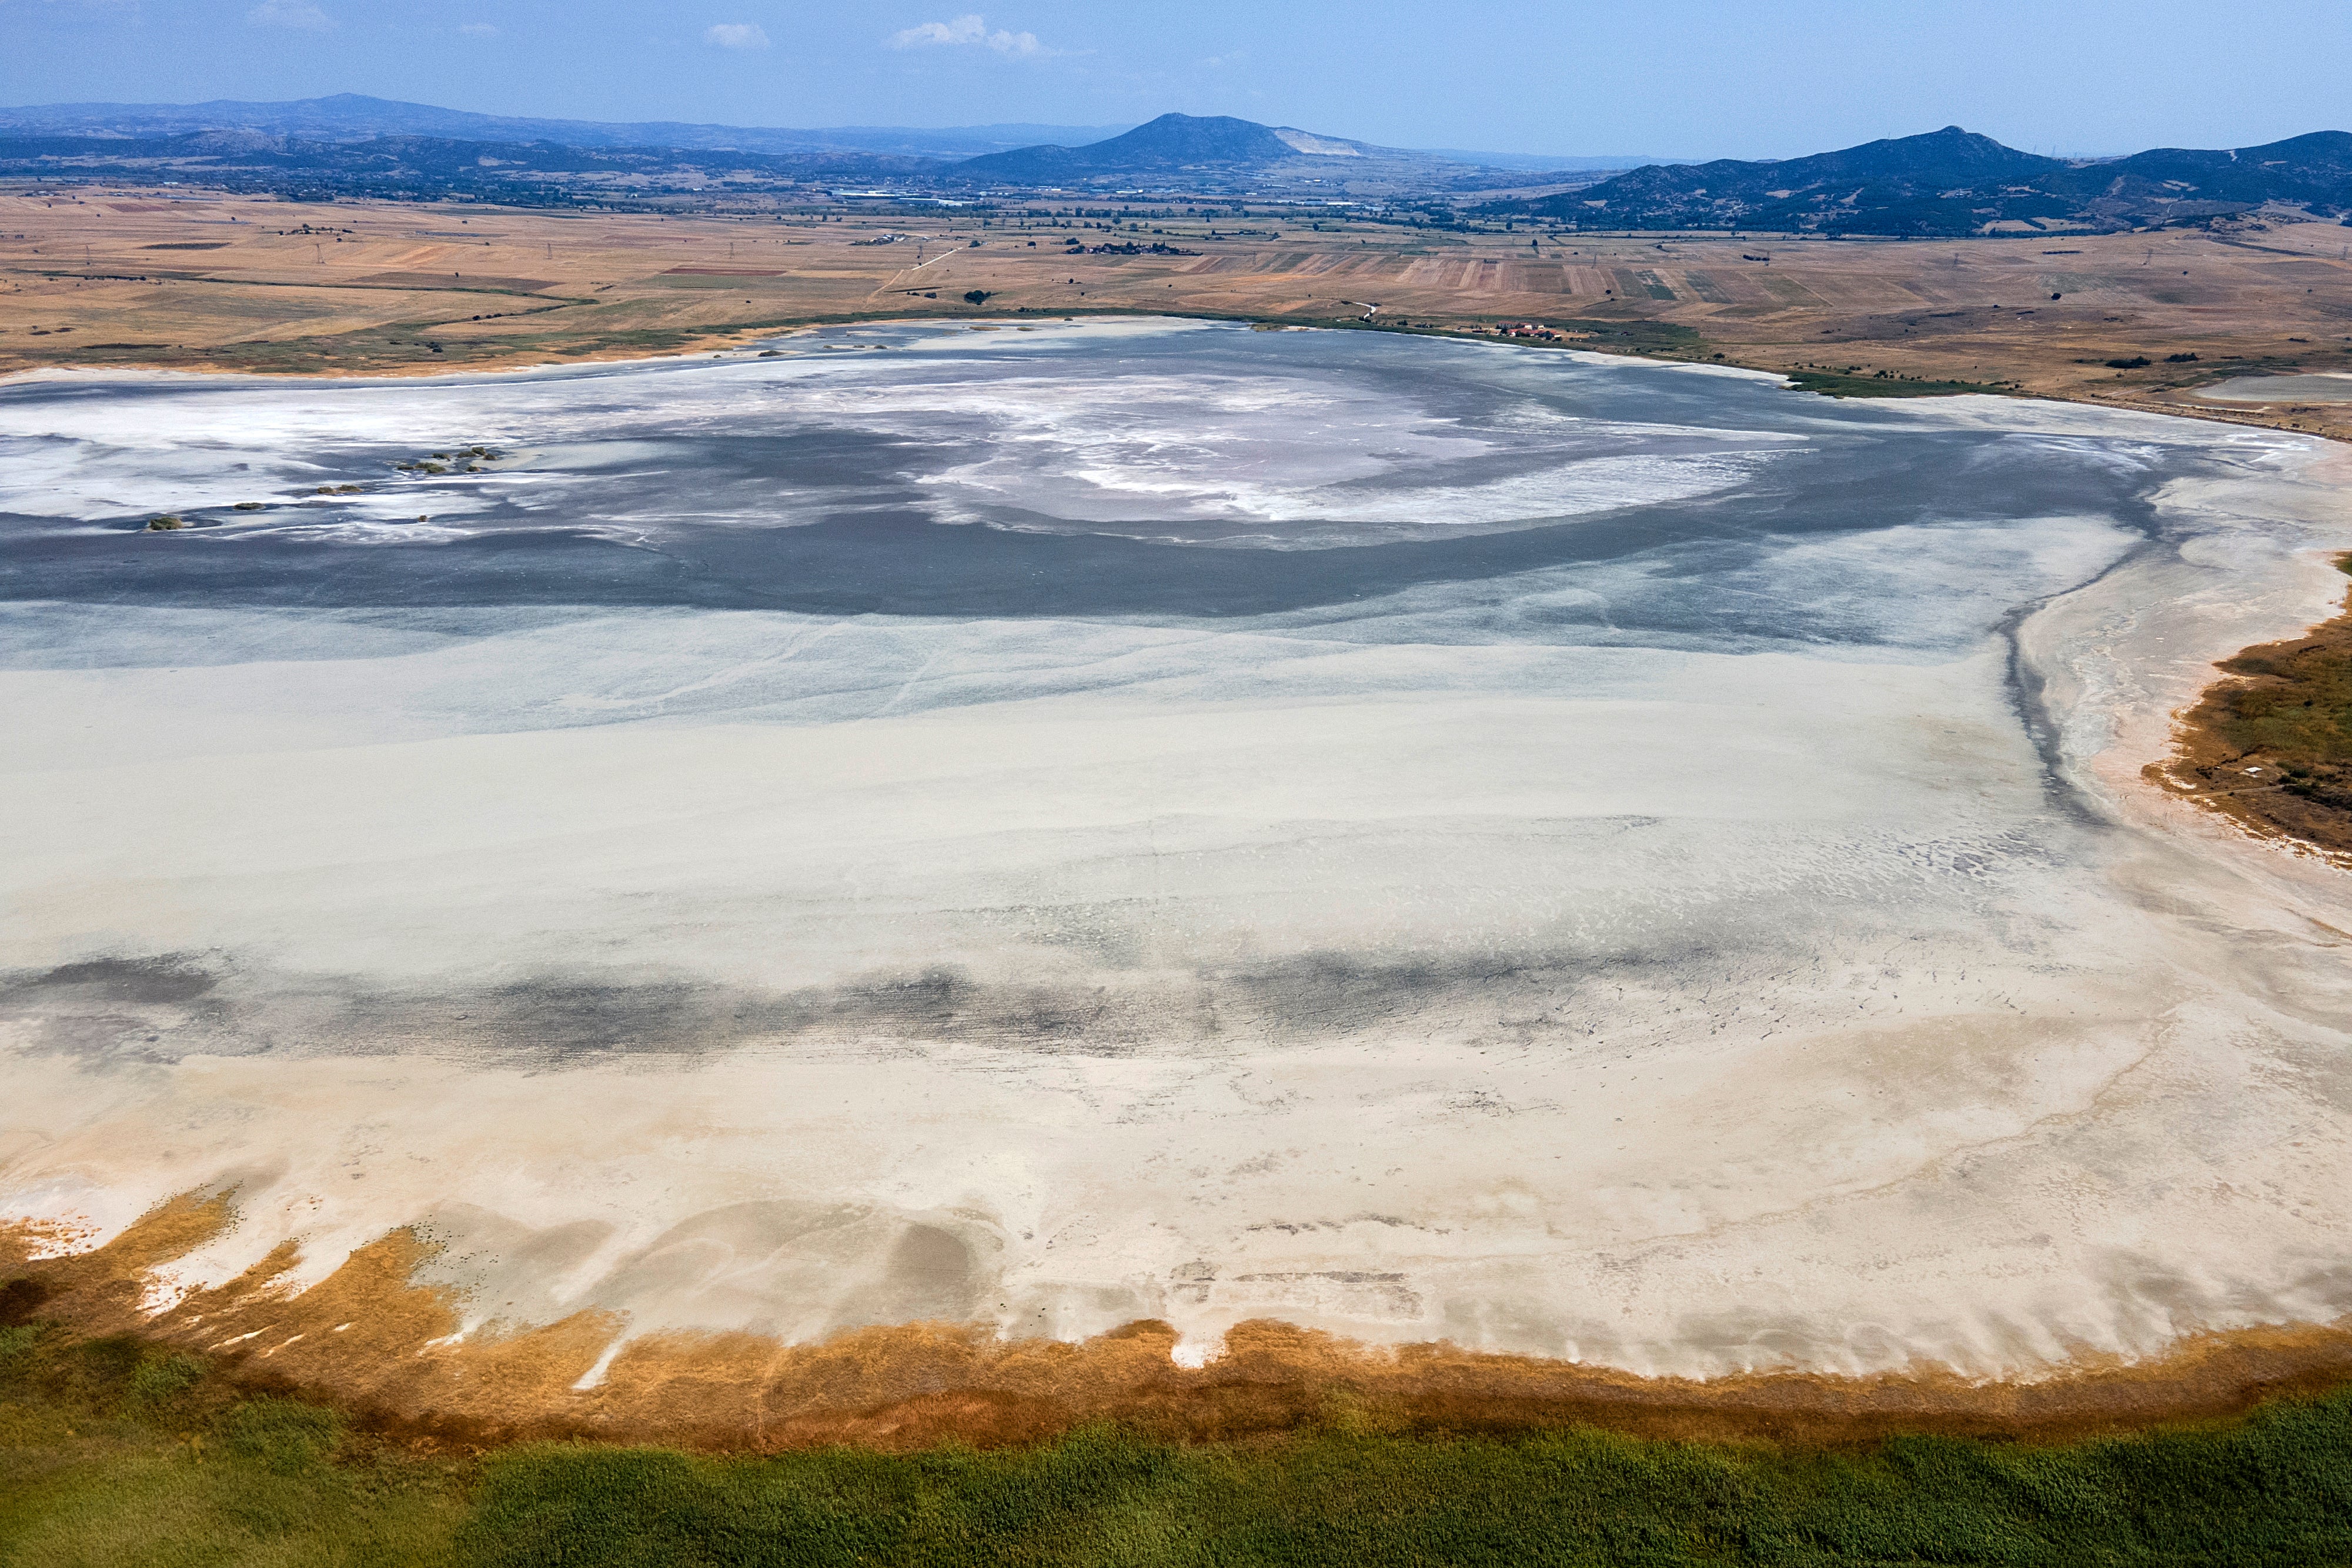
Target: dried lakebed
point(1578, 859)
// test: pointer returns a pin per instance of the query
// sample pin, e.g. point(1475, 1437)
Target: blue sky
point(1672, 77)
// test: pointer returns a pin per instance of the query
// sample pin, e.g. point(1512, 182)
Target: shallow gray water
point(1010, 474)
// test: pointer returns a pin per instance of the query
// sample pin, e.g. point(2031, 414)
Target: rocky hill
point(1209, 150)
point(1955, 181)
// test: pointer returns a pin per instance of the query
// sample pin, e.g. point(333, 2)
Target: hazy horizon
point(1690, 80)
point(1043, 132)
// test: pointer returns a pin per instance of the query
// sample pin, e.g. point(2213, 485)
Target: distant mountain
point(2313, 169)
point(1194, 145)
point(1954, 182)
point(352, 117)
point(1906, 182)
point(340, 146)
point(1949, 181)
point(1209, 152)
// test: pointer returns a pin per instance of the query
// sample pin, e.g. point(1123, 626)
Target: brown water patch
point(370, 1339)
point(2271, 746)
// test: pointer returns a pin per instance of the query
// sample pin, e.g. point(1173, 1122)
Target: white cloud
point(478, 30)
point(737, 35)
point(289, 13)
point(968, 29)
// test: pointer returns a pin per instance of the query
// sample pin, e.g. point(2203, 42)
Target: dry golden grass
point(98, 276)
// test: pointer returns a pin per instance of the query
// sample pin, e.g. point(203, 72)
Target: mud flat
point(1139, 842)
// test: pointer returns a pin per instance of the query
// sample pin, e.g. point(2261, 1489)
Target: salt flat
point(2325, 387)
point(1136, 819)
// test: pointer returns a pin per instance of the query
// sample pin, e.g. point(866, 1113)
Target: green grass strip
point(116, 1453)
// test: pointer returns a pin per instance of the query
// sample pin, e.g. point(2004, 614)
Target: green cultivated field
point(118, 1454)
point(1886, 383)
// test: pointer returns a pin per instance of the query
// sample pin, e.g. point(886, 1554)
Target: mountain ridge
point(355, 117)
point(1955, 181)
point(1945, 183)
point(1045, 152)
point(1216, 151)
point(1170, 142)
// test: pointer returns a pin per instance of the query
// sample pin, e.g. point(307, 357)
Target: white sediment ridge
point(1685, 1001)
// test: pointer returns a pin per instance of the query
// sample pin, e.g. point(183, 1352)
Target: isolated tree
point(976, 296)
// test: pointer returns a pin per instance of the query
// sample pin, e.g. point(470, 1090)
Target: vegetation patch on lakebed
point(1887, 384)
point(2271, 746)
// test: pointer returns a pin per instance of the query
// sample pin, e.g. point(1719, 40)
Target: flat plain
point(177, 279)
